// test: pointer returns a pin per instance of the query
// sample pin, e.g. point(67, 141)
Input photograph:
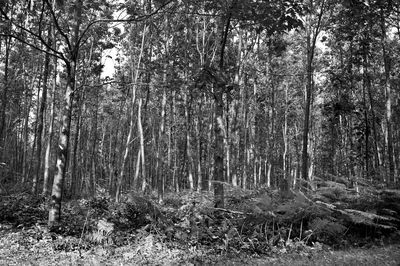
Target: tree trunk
point(367, 84)
point(311, 41)
point(141, 137)
point(28, 103)
point(388, 98)
point(210, 169)
point(285, 140)
point(161, 139)
point(40, 117)
point(227, 144)
point(219, 89)
point(93, 153)
point(189, 159)
point(199, 155)
point(219, 148)
point(308, 92)
point(175, 177)
point(50, 133)
point(77, 143)
point(131, 123)
point(63, 148)
point(4, 97)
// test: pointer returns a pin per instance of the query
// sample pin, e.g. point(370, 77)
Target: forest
point(184, 132)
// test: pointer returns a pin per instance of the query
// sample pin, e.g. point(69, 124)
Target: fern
point(103, 234)
point(321, 226)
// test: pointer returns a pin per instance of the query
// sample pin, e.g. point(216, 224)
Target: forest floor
point(330, 226)
point(18, 248)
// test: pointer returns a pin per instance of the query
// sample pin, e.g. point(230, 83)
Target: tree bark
point(285, 141)
point(311, 41)
point(388, 98)
point(40, 117)
point(4, 98)
point(77, 144)
point(161, 145)
point(63, 148)
point(28, 103)
point(210, 169)
point(189, 159)
point(219, 148)
point(199, 155)
point(50, 133)
point(219, 89)
point(141, 137)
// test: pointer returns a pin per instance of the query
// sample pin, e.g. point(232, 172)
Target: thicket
point(258, 222)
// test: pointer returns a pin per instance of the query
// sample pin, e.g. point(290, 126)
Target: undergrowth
point(257, 222)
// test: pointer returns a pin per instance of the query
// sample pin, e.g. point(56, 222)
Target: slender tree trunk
point(141, 137)
point(110, 163)
point(311, 41)
point(271, 125)
point(239, 110)
point(131, 124)
point(4, 97)
point(308, 91)
point(175, 178)
point(137, 170)
point(47, 159)
point(219, 148)
point(112, 159)
point(199, 154)
point(93, 154)
point(227, 143)
point(285, 141)
point(252, 135)
point(71, 60)
point(63, 148)
point(40, 117)
point(160, 157)
point(377, 152)
point(367, 132)
point(28, 102)
point(35, 137)
point(170, 140)
point(245, 147)
point(210, 172)
point(388, 97)
point(189, 159)
point(102, 160)
point(77, 143)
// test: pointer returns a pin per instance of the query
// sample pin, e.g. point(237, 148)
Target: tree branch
point(137, 19)
point(317, 28)
point(33, 34)
point(57, 55)
point(57, 25)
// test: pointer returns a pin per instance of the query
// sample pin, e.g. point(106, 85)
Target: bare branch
point(111, 82)
point(230, 211)
point(137, 19)
point(58, 55)
point(33, 34)
point(57, 25)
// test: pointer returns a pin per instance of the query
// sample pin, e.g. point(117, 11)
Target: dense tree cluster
point(205, 93)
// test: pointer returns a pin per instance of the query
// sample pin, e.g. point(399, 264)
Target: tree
point(311, 35)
